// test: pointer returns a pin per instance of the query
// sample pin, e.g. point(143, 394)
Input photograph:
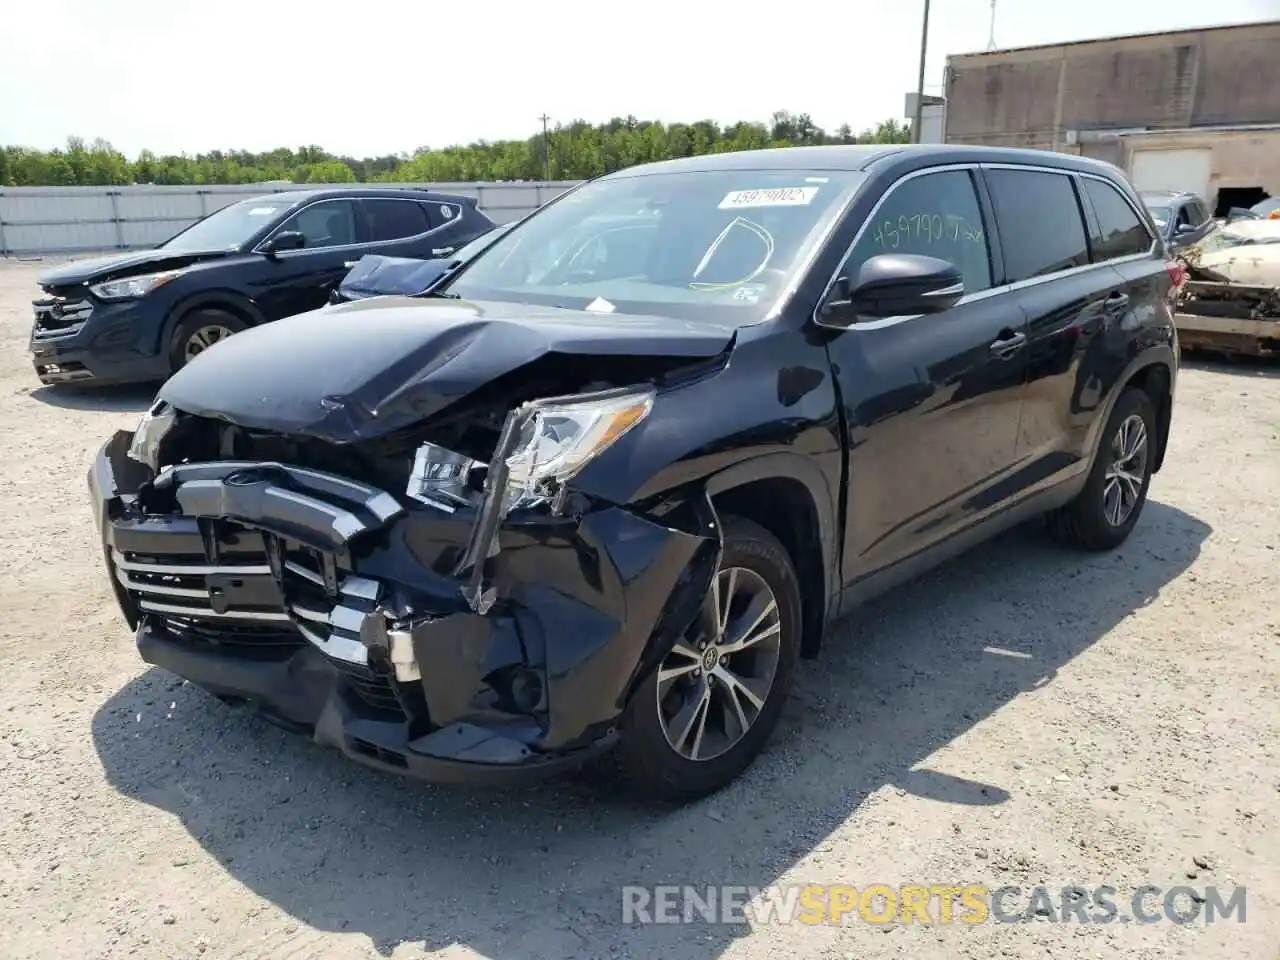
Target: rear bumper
point(322, 603)
point(1229, 334)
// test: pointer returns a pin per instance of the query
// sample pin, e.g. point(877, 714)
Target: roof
point(304, 195)
point(1123, 36)
point(860, 157)
point(830, 157)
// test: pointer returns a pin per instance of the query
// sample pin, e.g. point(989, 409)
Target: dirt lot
point(1023, 716)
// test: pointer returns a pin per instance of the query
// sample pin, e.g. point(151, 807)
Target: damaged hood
point(123, 265)
point(375, 276)
point(359, 370)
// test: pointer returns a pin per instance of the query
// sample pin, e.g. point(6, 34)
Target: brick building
point(1195, 110)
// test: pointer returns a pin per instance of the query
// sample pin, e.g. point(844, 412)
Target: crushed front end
point(432, 606)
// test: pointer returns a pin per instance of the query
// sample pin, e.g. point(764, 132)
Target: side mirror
point(284, 240)
point(1183, 229)
point(894, 285)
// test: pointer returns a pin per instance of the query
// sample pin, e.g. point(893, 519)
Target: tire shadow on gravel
point(532, 874)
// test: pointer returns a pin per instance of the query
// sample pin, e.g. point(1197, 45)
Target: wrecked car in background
point(374, 275)
point(1230, 301)
point(602, 486)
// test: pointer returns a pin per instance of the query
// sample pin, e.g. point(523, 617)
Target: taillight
point(1177, 273)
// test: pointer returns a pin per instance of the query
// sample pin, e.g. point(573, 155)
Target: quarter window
point(1041, 229)
point(331, 223)
point(394, 219)
point(1123, 234)
point(934, 215)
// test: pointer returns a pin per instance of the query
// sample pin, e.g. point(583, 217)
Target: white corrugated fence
point(48, 221)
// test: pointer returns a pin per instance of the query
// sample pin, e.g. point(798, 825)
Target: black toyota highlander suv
point(140, 316)
point(603, 485)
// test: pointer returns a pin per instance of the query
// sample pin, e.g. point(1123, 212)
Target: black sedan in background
point(141, 316)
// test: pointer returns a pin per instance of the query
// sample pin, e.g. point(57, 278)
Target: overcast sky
point(386, 76)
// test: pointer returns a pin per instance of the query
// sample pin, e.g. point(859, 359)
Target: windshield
point(1159, 214)
point(228, 228)
point(717, 245)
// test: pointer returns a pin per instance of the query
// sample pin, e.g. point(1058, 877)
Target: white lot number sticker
point(262, 211)
point(771, 197)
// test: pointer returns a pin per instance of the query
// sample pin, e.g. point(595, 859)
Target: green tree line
point(573, 151)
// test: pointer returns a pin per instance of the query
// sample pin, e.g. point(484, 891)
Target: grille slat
point(58, 317)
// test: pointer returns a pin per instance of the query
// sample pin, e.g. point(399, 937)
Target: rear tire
point(1104, 513)
point(719, 702)
point(199, 330)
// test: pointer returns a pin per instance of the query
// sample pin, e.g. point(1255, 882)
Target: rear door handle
point(1116, 299)
point(350, 263)
point(1008, 344)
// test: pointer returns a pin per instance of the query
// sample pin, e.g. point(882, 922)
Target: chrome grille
point(174, 589)
point(58, 317)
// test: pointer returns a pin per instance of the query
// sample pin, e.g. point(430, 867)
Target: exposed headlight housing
point(151, 430)
point(130, 288)
point(543, 444)
point(557, 438)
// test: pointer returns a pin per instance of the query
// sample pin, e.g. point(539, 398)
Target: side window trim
point(361, 224)
point(979, 189)
point(426, 214)
point(1139, 213)
point(1078, 174)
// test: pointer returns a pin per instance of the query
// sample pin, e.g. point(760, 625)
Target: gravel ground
point(1023, 716)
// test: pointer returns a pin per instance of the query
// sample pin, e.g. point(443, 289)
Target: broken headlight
point(442, 478)
point(557, 438)
point(151, 430)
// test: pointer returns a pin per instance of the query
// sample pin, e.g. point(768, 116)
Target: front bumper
point(332, 607)
point(84, 340)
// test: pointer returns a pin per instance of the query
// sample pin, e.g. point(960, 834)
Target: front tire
point(197, 332)
point(1104, 513)
point(702, 717)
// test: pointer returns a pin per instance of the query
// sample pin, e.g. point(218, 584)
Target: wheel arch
point(1155, 372)
point(229, 301)
point(787, 495)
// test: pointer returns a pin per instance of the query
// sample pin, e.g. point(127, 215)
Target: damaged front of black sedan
point(474, 540)
point(451, 607)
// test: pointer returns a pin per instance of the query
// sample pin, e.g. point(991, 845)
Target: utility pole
point(991, 40)
point(924, 46)
point(546, 149)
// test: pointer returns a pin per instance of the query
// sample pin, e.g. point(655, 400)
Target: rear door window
point(394, 219)
point(933, 215)
point(1041, 227)
point(1123, 233)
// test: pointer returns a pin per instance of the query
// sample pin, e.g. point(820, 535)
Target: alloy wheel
point(713, 684)
point(205, 337)
point(1122, 484)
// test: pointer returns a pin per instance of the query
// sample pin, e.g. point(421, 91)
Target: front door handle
point(1116, 300)
point(350, 263)
point(1008, 344)
point(442, 251)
